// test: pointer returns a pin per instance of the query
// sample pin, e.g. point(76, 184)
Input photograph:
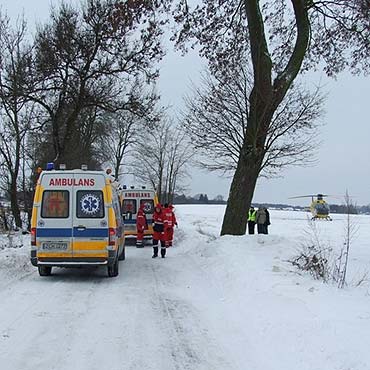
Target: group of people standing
point(261, 217)
point(164, 221)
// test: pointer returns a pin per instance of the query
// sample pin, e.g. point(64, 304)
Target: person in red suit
point(141, 226)
point(158, 228)
point(169, 223)
point(174, 223)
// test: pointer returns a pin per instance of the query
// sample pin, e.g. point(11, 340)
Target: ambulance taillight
point(112, 236)
point(33, 236)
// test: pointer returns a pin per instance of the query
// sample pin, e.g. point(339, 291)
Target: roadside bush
point(320, 260)
point(313, 255)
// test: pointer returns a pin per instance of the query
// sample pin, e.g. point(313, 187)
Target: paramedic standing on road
point(141, 225)
point(174, 223)
point(158, 229)
point(169, 223)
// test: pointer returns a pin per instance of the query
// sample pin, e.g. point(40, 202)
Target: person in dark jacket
point(261, 220)
point(158, 229)
point(251, 220)
point(267, 223)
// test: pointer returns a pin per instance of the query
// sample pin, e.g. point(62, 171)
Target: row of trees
point(84, 89)
point(198, 199)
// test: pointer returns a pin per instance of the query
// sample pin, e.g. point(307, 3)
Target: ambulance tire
point(44, 270)
point(113, 269)
point(122, 256)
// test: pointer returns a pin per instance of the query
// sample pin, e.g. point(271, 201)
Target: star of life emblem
point(147, 207)
point(90, 204)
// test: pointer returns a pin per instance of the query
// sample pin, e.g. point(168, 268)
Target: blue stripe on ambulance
point(59, 233)
point(90, 233)
point(54, 232)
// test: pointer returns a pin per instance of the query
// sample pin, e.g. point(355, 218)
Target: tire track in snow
point(192, 345)
point(40, 316)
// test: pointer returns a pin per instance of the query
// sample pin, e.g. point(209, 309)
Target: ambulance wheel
point(113, 269)
point(44, 270)
point(122, 256)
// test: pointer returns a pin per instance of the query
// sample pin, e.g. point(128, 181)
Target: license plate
point(55, 246)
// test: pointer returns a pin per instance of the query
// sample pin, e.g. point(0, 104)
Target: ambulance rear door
point(54, 218)
point(129, 209)
point(90, 218)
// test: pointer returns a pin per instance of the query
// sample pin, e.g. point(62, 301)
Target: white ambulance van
point(76, 221)
point(131, 200)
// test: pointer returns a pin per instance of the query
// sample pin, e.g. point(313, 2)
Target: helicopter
point(319, 207)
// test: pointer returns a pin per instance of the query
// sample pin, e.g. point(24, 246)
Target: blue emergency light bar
point(50, 166)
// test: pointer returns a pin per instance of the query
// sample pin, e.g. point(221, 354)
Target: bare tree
point(178, 158)
point(282, 38)
point(115, 143)
point(86, 60)
point(161, 159)
point(350, 231)
point(16, 112)
point(126, 126)
point(216, 121)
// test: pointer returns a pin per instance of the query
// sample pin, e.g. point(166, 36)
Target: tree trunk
point(116, 169)
point(14, 204)
point(241, 193)
point(14, 178)
point(260, 115)
point(264, 100)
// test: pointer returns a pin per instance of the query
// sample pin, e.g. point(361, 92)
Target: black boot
point(155, 252)
point(163, 252)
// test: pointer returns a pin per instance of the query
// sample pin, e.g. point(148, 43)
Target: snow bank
point(293, 321)
point(14, 257)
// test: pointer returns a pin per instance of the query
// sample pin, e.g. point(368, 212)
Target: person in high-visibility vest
point(251, 220)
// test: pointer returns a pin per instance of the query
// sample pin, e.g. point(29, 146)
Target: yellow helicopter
point(319, 207)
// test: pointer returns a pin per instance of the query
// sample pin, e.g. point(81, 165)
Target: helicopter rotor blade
point(303, 196)
point(310, 196)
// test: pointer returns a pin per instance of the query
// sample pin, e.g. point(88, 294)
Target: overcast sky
point(343, 158)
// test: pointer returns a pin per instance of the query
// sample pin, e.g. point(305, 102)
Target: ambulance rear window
point(148, 205)
point(55, 204)
point(90, 204)
point(129, 206)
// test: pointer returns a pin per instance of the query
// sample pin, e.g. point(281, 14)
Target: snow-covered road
point(146, 318)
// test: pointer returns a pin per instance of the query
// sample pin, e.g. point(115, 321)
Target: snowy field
point(215, 303)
